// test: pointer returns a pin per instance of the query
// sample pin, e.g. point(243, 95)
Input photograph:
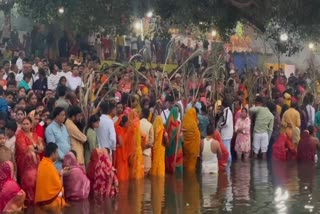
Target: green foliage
point(300, 19)
point(84, 15)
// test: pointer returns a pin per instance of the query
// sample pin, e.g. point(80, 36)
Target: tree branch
point(242, 5)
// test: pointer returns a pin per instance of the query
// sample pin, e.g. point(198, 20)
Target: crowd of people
point(51, 152)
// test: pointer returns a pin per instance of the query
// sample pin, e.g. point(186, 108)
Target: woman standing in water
point(243, 144)
point(158, 150)
point(136, 162)
point(102, 175)
point(174, 155)
point(191, 140)
point(121, 157)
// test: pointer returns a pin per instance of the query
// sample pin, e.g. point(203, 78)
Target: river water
point(253, 187)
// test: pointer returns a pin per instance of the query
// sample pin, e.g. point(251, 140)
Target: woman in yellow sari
point(191, 140)
point(136, 162)
point(158, 166)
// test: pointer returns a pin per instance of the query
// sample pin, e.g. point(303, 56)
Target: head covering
point(70, 160)
point(8, 187)
point(177, 76)
point(6, 173)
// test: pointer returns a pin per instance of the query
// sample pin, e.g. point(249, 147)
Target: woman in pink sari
point(76, 184)
point(11, 195)
point(104, 182)
point(28, 149)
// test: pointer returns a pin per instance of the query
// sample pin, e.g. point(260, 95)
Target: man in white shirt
point(166, 112)
point(74, 81)
point(27, 68)
point(19, 62)
point(226, 126)
point(66, 70)
point(35, 66)
point(54, 77)
point(106, 133)
point(6, 67)
point(147, 135)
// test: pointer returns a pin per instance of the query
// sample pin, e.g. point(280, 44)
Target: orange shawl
point(191, 140)
point(48, 186)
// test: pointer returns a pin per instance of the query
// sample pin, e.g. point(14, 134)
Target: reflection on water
point(256, 187)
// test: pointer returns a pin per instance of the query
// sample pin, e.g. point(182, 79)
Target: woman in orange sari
point(28, 150)
point(121, 157)
point(158, 150)
point(191, 140)
point(136, 162)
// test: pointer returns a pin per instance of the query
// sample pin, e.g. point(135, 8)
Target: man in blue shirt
point(106, 134)
point(3, 102)
point(57, 133)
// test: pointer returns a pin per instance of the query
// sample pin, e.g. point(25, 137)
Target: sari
point(27, 163)
point(136, 161)
point(223, 160)
point(317, 124)
point(191, 140)
point(121, 154)
point(158, 150)
point(174, 154)
point(157, 193)
point(104, 181)
point(11, 195)
point(75, 183)
point(307, 148)
point(283, 149)
point(49, 189)
point(90, 145)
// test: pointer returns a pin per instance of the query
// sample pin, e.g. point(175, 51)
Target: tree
point(84, 15)
point(300, 19)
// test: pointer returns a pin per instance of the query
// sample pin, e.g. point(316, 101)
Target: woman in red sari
point(307, 148)
point(283, 149)
point(102, 175)
point(28, 148)
point(121, 160)
point(11, 195)
point(223, 160)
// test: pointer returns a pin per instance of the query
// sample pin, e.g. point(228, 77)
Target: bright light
point(149, 14)
point(61, 10)
point(284, 37)
point(214, 33)
point(311, 45)
point(138, 25)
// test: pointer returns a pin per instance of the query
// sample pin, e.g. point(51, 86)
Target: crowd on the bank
point(49, 152)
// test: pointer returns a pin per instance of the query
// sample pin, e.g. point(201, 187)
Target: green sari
point(174, 155)
point(317, 124)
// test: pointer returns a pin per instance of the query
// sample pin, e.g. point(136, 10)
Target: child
point(5, 153)
point(11, 128)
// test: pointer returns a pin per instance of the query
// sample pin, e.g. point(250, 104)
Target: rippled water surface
point(255, 187)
